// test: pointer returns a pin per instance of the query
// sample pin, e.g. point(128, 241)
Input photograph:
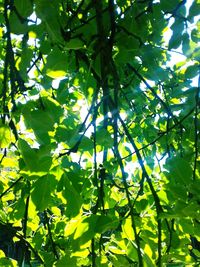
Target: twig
point(4, 155)
point(50, 235)
point(162, 134)
point(166, 107)
point(11, 186)
point(74, 149)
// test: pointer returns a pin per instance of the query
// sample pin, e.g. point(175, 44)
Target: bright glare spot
point(56, 74)
point(34, 19)
point(55, 83)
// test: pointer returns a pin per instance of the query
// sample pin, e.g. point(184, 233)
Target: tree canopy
point(99, 133)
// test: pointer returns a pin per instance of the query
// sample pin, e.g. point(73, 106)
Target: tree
point(99, 133)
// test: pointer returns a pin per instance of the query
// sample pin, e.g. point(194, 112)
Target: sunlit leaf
point(73, 198)
point(180, 170)
point(74, 44)
point(7, 262)
point(65, 261)
point(86, 229)
point(41, 194)
point(28, 154)
point(128, 229)
point(5, 136)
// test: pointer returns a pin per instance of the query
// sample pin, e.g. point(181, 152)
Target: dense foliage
point(99, 133)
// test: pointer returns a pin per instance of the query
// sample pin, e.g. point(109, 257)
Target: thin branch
point(175, 10)
point(11, 186)
point(75, 147)
point(34, 62)
point(31, 248)
point(131, 34)
point(50, 235)
point(4, 155)
point(166, 107)
point(162, 134)
point(26, 216)
point(170, 229)
point(148, 9)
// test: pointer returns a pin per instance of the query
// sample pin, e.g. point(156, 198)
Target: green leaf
point(131, 44)
point(175, 41)
point(178, 190)
point(53, 107)
point(195, 35)
point(176, 38)
point(36, 160)
point(44, 158)
point(25, 62)
point(74, 201)
point(57, 64)
point(48, 12)
point(194, 9)
point(66, 261)
point(5, 136)
point(38, 120)
point(93, 224)
point(28, 154)
point(191, 71)
point(179, 170)
point(103, 138)
point(106, 223)
point(186, 44)
point(7, 262)
point(48, 257)
point(168, 5)
point(175, 240)
point(42, 120)
point(43, 188)
point(16, 25)
point(74, 44)
point(86, 144)
point(24, 7)
point(86, 229)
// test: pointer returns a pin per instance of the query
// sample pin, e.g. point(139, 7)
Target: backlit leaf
point(5, 136)
point(24, 7)
point(73, 198)
point(41, 194)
